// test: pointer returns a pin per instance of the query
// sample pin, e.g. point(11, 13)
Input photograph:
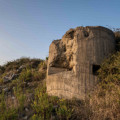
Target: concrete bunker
point(75, 59)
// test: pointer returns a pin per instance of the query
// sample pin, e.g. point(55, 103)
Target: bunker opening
point(95, 69)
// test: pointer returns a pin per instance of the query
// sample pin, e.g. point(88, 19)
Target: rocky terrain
point(18, 82)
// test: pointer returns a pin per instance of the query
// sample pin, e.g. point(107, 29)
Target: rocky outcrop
point(9, 77)
point(74, 60)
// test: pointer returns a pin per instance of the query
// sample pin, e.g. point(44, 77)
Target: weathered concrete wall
point(74, 60)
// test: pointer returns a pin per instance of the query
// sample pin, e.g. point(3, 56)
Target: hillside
point(18, 82)
point(23, 93)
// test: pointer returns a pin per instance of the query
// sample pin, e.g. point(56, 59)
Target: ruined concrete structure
point(74, 60)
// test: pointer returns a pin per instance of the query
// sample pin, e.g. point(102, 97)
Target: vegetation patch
point(49, 107)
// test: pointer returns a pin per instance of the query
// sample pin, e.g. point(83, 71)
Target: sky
point(27, 27)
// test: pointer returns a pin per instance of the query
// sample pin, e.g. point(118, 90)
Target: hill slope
point(23, 93)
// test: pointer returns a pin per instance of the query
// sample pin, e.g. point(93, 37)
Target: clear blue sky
point(27, 27)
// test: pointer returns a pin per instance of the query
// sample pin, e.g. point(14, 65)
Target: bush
point(64, 111)
point(110, 70)
point(45, 107)
point(41, 104)
point(43, 65)
point(37, 76)
point(26, 75)
point(15, 64)
point(21, 98)
point(29, 74)
point(6, 113)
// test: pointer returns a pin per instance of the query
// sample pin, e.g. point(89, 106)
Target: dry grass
point(105, 104)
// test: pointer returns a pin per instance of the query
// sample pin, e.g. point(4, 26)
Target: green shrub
point(1, 80)
point(110, 70)
point(20, 96)
point(41, 104)
point(37, 76)
point(26, 75)
point(43, 65)
point(64, 111)
point(6, 113)
point(44, 106)
point(46, 58)
point(36, 117)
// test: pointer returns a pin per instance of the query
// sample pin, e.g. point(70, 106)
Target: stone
point(6, 90)
point(9, 77)
point(25, 118)
point(13, 97)
point(21, 68)
point(26, 109)
point(74, 60)
point(6, 80)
